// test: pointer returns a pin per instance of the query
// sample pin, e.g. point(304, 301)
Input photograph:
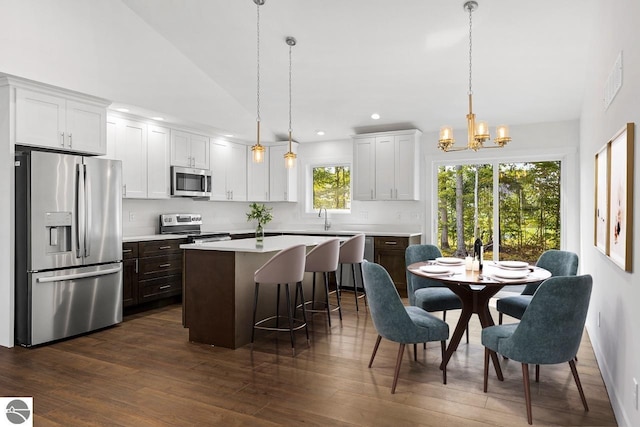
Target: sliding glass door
point(514, 208)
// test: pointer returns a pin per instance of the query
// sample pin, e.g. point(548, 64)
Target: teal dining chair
point(559, 263)
point(549, 332)
point(430, 295)
point(395, 322)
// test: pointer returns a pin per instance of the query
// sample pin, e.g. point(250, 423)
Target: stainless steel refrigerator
point(68, 245)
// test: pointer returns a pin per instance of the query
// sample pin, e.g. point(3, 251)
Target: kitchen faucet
point(327, 224)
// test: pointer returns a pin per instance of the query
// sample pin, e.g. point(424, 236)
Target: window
point(331, 187)
point(527, 210)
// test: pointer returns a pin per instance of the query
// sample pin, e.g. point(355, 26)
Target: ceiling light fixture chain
point(257, 150)
point(290, 156)
point(477, 132)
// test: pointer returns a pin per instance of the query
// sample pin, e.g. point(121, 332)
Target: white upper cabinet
point(130, 140)
point(52, 120)
point(386, 166)
point(158, 162)
point(228, 170)
point(283, 183)
point(189, 150)
point(364, 165)
point(258, 178)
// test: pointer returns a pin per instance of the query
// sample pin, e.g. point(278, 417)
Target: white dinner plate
point(511, 274)
point(513, 264)
point(449, 260)
point(435, 269)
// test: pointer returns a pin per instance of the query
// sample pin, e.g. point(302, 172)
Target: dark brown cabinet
point(389, 253)
point(152, 270)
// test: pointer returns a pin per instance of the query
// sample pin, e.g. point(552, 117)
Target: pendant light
point(477, 133)
point(290, 156)
point(257, 150)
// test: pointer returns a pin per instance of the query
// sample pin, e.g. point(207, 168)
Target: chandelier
point(290, 156)
point(477, 132)
point(257, 150)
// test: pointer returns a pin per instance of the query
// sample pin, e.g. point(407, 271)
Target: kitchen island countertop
point(271, 244)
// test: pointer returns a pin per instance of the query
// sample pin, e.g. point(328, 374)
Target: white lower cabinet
point(228, 170)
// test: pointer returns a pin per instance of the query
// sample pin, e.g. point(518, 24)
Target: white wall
point(616, 293)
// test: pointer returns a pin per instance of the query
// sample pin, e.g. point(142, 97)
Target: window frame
point(309, 185)
point(562, 156)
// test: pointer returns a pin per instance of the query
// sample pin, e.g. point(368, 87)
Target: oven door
point(187, 182)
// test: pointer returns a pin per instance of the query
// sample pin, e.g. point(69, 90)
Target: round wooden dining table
point(475, 289)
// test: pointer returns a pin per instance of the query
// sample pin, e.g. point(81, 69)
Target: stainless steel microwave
point(188, 182)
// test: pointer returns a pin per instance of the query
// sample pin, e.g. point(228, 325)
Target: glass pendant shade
point(290, 160)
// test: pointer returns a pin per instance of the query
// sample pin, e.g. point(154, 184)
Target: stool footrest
point(298, 324)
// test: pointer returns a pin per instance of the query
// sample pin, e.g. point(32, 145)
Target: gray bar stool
point(323, 259)
point(352, 252)
point(287, 266)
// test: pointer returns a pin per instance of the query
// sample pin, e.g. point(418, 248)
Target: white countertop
point(150, 237)
point(271, 244)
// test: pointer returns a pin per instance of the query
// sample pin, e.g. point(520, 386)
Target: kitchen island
point(218, 287)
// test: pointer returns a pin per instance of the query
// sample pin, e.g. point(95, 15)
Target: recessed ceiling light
point(320, 132)
point(228, 135)
point(375, 116)
point(158, 118)
point(122, 110)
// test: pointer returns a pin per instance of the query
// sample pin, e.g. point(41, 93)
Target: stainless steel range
point(190, 225)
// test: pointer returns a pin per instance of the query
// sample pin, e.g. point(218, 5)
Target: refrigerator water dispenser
point(58, 228)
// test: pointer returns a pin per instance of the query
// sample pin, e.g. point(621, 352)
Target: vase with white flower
point(262, 214)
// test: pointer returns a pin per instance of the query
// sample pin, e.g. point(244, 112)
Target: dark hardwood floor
point(145, 372)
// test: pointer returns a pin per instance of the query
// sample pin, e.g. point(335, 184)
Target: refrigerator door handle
point(88, 213)
point(79, 275)
point(80, 211)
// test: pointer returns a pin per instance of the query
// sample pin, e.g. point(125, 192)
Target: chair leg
point(397, 372)
point(325, 275)
point(278, 307)
point(486, 368)
point(289, 315)
point(467, 333)
point(364, 292)
point(444, 315)
point(500, 318)
point(537, 373)
point(255, 309)
point(355, 284)
point(527, 391)
point(313, 293)
point(338, 295)
point(443, 349)
point(304, 311)
point(375, 350)
point(574, 371)
point(415, 352)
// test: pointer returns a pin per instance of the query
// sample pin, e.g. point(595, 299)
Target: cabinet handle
point(164, 247)
point(70, 139)
point(164, 265)
point(396, 193)
point(62, 139)
point(124, 190)
point(231, 194)
point(390, 243)
point(136, 265)
point(165, 287)
point(126, 251)
point(391, 193)
point(372, 194)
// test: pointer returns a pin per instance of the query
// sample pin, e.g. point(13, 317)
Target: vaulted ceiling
point(406, 60)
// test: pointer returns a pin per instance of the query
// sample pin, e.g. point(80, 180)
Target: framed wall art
point(621, 197)
point(601, 238)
